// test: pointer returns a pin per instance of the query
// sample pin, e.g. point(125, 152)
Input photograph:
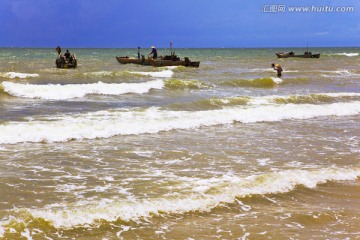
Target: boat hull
point(60, 63)
point(127, 60)
point(288, 55)
point(161, 62)
point(165, 63)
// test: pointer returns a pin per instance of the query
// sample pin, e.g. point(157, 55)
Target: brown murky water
point(225, 151)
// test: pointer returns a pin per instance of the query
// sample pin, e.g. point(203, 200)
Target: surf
point(267, 82)
point(164, 73)
point(69, 91)
point(14, 75)
point(198, 196)
point(109, 123)
point(181, 84)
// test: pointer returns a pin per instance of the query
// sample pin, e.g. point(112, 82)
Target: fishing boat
point(65, 62)
point(173, 60)
point(160, 62)
point(126, 60)
point(293, 55)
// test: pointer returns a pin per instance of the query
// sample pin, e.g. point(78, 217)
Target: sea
point(224, 151)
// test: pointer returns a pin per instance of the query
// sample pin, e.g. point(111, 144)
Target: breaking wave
point(210, 104)
point(258, 82)
point(13, 75)
point(198, 195)
point(346, 54)
point(61, 92)
point(316, 98)
point(219, 103)
point(166, 73)
point(184, 84)
point(108, 74)
point(105, 124)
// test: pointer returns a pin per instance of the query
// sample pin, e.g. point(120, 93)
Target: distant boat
point(293, 55)
point(168, 60)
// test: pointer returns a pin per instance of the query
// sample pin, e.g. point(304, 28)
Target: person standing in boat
point(277, 67)
point(153, 52)
point(138, 54)
point(67, 56)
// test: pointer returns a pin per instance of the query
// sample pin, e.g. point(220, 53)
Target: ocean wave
point(219, 103)
point(314, 98)
point(166, 73)
point(18, 75)
point(268, 70)
point(61, 92)
point(202, 195)
point(345, 54)
point(107, 74)
point(341, 73)
point(105, 124)
point(184, 84)
point(210, 103)
point(257, 82)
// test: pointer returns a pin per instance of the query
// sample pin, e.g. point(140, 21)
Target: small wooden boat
point(293, 55)
point(61, 62)
point(163, 61)
point(70, 61)
point(174, 61)
point(126, 60)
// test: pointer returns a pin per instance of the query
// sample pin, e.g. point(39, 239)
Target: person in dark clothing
point(153, 52)
point(67, 55)
point(138, 55)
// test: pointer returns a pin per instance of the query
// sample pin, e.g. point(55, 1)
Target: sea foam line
point(166, 73)
point(61, 92)
point(18, 75)
point(105, 124)
point(212, 193)
point(346, 54)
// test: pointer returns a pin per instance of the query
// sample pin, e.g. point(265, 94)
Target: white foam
point(18, 75)
point(347, 54)
point(107, 178)
point(277, 80)
point(341, 73)
point(105, 124)
point(167, 73)
point(260, 70)
point(61, 92)
point(2, 231)
point(144, 153)
point(26, 234)
point(68, 187)
point(266, 100)
point(105, 74)
point(263, 161)
point(225, 189)
point(341, 94)
point(101, 74)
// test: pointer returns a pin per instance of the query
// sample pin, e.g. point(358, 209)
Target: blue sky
point(187, 23)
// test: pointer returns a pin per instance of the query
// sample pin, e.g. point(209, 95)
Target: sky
point(187, 23)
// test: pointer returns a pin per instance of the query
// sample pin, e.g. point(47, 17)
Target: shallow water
point(227, 150)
